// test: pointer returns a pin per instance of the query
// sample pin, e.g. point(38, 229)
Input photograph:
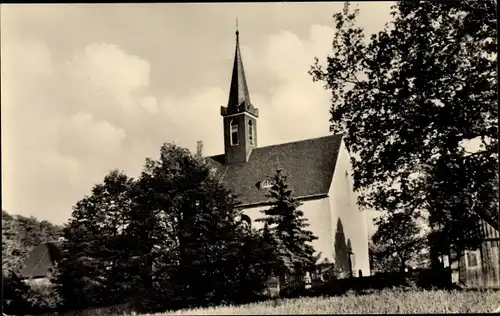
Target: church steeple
point(239, 97)
point(238, 93)
point(240, 116)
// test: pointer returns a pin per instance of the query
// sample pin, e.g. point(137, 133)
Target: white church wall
point(346, 217)
point(317, 213)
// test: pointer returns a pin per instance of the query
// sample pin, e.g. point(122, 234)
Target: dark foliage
point(286, 230)
point(169, 239)
point(397, 242)
point(422, 279)
point(20, 298)
point(412, 100)
point(20, 235)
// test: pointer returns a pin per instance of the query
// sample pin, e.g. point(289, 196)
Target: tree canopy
point(20, 234)
point(411, 101)
point(170, 238)
point(398, 242)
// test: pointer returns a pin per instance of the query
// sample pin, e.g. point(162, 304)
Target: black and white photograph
point(240, 158)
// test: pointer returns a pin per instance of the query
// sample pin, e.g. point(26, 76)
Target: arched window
point(250, 132)
point(234, 133)
point(245, 220)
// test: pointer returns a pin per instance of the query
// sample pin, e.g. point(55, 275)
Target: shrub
point(20, 298)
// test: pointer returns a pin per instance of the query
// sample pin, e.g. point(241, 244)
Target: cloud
point(301, 105)
point(150, 104)
point(65, 121)
point(81, 136)
point(70, 118)
point(107, 67)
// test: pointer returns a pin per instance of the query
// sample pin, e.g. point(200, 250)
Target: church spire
point(239, 98)
point(240, 116)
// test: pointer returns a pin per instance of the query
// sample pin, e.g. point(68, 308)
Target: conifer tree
point(286, 222)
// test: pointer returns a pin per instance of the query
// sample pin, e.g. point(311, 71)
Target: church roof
point(308, 164)
point(41, 260)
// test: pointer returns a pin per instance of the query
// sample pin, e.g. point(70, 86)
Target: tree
point(165, 240)
point(396, 242)
point(186, 234)
point(342, 252)
point(20, 235)
point(91, 269)
point(379, 261)
point(409, 98)
point(287, 224)
point(455, 212)
point(13, 252)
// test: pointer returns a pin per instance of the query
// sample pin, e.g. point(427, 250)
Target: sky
point(89, 88)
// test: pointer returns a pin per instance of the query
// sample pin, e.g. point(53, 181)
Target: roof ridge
point(286, 143)
point(300, 140)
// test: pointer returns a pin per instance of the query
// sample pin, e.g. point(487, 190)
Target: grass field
point(387, 301)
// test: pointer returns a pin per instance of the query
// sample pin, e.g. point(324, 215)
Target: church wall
point(317, 213)
point(348, 222)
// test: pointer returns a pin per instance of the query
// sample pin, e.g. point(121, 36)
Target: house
point(318, 171)
point(480, 267)
point(40, 262)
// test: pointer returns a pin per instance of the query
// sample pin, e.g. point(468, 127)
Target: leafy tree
point(95, 248)
point(457, 205)
point(397, 241)
point(168, 239)
point(379, 261)
point(185, 230)
point(20, 235)
point(13, 252)
point(15, 294)
point(289, 227)
point(409, 98)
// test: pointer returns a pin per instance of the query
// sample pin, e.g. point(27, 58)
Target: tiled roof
point(41, 260)
point(308, 164)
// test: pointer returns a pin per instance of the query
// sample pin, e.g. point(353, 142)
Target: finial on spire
point(237, 30)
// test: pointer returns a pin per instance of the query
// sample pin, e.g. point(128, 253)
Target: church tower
point(240, 116)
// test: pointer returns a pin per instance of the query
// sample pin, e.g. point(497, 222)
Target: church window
point(250, 132)
point(234, 133)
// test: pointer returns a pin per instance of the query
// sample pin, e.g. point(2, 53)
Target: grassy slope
point(387, 301)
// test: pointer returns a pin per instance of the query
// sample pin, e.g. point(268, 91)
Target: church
point(317, 170)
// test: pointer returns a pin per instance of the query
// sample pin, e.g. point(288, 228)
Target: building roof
point(308, 164)
point(490, 217)
point(41, 260)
